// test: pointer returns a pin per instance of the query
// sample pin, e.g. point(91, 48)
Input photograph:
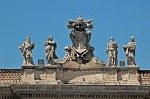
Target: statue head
point(50, 38)
point(132, 38)
point(28, 39)
point(111, 39)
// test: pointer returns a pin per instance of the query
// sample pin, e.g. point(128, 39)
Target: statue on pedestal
point(26, 49)
point(50, 47)
point(129, 51)
point(112, 52)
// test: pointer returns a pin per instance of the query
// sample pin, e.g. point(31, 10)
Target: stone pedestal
point(50, 74)
point(111, 75)
point(132, 75)
point(28, 74)
point(39, 75)
point(122, 75)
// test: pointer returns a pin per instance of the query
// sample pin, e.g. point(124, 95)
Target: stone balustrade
point(144, 77)
point(10, 76)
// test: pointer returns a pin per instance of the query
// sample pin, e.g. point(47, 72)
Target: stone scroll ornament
point(50, 47)
point(26, 50)
point(80, 50)
point(129, 51)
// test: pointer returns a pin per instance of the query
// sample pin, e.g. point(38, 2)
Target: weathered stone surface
point(93, 64)
point(54, 74)
point(41, 91)
point(37, 75)
point(133, 75)
point(81, 88)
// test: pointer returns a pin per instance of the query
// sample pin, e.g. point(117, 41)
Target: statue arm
point(47, 43)
point(21, 47)
point(133, 46)
point(32, 46)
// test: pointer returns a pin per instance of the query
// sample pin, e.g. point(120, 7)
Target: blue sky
point(41, 18)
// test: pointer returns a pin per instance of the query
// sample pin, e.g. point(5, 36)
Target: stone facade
point(55, 82)
point(41, 91)
point(55, 74)
point(79, 74)
point(49, 75)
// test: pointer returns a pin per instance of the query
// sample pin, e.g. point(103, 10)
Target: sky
point(39, 19)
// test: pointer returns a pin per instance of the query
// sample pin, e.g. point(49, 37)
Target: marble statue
point(50, 47)
point(26, 49)
point(112, 52)
point(129, 51)
point(80, 51)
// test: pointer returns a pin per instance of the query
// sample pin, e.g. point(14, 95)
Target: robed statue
point(112, 52)
point(50, 47)
point(26, 49)
point(129, 51)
